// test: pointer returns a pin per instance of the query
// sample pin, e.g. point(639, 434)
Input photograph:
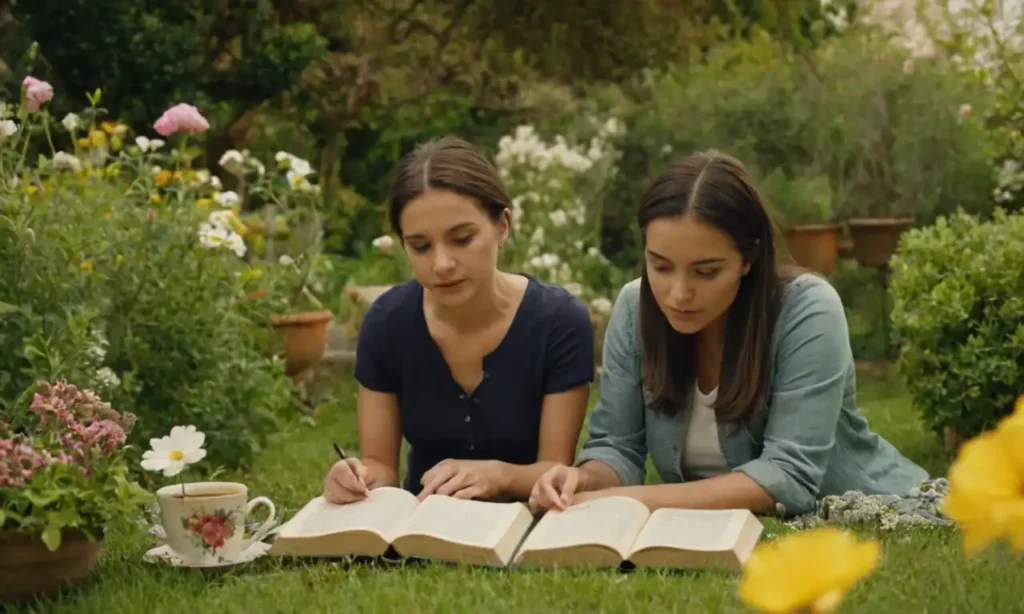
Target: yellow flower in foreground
point(986, 486)
point(806, 571)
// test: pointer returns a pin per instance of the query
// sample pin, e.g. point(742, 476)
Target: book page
point(613, 522)
point(693, 530)
point(462, 521)
point(382, 512)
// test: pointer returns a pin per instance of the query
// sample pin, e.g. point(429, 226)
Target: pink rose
point(181, 118)
point(37, 93)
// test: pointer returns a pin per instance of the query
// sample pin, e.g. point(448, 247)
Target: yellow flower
point(86, 265)
point(154, 197)
point(809, 571)
point(163, 177)
point(204, 203)
point(84, 142)
point(986, 486)
point(98, 139)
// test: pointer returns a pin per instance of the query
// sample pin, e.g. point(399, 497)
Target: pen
point(341, 455)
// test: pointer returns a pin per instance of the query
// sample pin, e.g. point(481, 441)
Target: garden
point(192, 224)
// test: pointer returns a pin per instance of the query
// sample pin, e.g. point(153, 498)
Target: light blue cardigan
point(809, 439)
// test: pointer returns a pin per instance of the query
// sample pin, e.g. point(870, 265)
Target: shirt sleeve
point(569, 355)
point(616, 428)
point(813, 358)
point(375, 364)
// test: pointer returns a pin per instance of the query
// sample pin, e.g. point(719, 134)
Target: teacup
point(207, 524)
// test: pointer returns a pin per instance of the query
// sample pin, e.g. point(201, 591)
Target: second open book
point(604, 532)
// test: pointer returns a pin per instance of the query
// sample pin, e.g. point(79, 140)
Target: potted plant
point(805, 206)
point(875, 238)
point(288, 202)
point(63, 484)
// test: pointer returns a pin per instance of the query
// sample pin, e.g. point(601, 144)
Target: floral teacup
point(206, 526)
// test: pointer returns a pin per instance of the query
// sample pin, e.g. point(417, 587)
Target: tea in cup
point(205, 521)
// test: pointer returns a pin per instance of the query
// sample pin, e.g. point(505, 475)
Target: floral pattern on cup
point(210, 531)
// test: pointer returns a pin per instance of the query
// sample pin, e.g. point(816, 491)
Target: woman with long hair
point(734, 373)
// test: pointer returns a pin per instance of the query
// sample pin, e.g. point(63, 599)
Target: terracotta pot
point(815, 247)
point(875, 239)
point(28, 569)
point(306, 339)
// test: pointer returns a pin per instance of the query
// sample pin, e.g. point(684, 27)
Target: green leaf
point(3, 518)
point(6, 308)
point(41, 499)
point(51, 536)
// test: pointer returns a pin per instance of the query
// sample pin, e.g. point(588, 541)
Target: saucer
point(165, 554)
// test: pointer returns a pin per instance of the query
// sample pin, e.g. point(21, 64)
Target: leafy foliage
point(959, 312)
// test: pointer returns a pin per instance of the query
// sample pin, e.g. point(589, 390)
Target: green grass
point(922, 572)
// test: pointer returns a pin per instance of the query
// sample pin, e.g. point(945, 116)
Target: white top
point(702, 454)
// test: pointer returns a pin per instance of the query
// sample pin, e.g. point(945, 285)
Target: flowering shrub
point(62, 465)
point(131, 274)
point(554, 187)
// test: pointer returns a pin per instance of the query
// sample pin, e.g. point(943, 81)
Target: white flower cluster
point(298, 171)
point(218, 232)
point(920, 508)
point(144, 144)
point(527, 148)
point(97, 350)
point(239, 162)
point(1009, 181)
point(106, 378)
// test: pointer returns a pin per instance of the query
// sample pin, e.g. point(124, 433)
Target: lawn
point(922, 572)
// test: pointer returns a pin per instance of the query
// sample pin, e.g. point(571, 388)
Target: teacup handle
point(266, 525)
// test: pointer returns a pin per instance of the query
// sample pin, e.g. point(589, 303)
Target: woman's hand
point(464, 479)
point(556, 489)
point(347, 481)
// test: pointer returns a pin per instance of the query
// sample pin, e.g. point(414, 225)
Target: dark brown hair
point(447, 164)
point(720, 192)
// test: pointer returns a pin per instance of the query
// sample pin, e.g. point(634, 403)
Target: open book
point(614, 530)
point(604, 532)
point(439, 527)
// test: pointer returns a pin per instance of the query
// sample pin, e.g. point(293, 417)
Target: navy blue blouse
point(547, 349)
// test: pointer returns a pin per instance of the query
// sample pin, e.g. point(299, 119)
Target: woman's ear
point(506, 225)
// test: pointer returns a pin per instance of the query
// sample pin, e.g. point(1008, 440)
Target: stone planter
point(29, 569)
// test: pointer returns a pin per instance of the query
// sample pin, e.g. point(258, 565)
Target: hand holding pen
point(346, 482)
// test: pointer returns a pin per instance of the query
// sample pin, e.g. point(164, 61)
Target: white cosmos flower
point(212, 236)
point(574, 288)
point(172, 453)
point(7, 128)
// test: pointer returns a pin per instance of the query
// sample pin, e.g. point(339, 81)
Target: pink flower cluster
point(78, 426)
point(17, 462)
point(37, 93)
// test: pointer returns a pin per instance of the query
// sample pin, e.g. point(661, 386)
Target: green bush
point(959, 312)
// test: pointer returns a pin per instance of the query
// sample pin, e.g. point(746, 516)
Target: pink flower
point(181, 118)
point(37, 93)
